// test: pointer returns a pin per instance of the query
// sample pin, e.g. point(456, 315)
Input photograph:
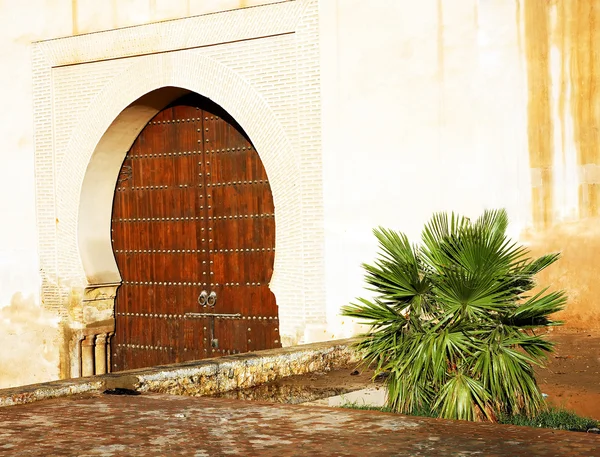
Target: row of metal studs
point(163, 154)
point(224, 351)
point(192, 218)
point(168, 283)
point(177, 121)
point(160, 316)
point(236, 183)
point(185, 186)
point(240, 216)
point(217, 151)
point(187, 120)
point(159, 251)
point(213, 251)
point(182, 316)
point(169, 348)
point(161, 187)
point(134, 188)
point(157, 219)
point(141, 346)
point(190, 251)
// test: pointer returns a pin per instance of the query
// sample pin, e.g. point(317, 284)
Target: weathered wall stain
point(33, 337)
point(115, 13)
point(74, 15)
point(562, 45)
point(518, 22)
point(581, 23)
point(440, 39)
point(539, 109)
point(440, 64)
point(563, 82)
point(572, 30)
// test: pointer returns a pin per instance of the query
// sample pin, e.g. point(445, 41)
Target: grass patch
point(421, 412)
point(555, 418)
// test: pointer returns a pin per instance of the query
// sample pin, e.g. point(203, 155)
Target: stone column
point(87, 355)
point(109, 352)
point(100, 353)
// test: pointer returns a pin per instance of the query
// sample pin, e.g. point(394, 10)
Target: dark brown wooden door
point(193, 233)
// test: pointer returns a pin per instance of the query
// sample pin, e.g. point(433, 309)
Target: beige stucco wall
point(35, 333)
point(463, 105)
point(425, 106)
point(425, 111)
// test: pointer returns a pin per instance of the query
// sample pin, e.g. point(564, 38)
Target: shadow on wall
point(29, 343)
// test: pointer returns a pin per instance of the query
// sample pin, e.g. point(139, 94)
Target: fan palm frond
point(451, 322)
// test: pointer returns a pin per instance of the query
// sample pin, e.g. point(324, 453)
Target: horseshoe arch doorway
point(193, 234)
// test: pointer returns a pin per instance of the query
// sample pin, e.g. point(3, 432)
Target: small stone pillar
point(109, 352)
point(100, 353)
point(87, 355)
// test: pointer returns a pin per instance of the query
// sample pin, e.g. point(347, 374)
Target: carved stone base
point(89, 347)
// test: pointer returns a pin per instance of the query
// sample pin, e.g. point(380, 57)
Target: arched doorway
point(193, 234)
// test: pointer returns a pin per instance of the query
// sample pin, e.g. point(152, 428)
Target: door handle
point(203, 298)
point(212, 299)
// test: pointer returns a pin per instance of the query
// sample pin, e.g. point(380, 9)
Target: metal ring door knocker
point(203, 298)
point(212, 299)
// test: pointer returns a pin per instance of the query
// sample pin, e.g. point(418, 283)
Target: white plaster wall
point(22, 23)
point(462, 105)
point(29, 337)
point(424, 109)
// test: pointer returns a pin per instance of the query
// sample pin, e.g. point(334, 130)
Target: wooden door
point(193, 233)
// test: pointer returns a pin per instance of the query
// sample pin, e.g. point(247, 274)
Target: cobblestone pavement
point(154, 424)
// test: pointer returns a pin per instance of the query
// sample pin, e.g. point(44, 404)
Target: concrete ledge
point(198, 378)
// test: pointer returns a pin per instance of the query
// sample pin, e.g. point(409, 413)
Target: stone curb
point(198, 378)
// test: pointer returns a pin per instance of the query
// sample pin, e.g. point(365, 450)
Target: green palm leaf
point(451, 322)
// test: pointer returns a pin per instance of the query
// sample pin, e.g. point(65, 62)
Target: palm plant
point(454, 320)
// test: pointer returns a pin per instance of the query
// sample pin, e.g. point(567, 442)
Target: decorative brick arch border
point(101, 140)
point(91, 94)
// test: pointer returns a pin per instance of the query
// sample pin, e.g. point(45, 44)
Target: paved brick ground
point(149, 425)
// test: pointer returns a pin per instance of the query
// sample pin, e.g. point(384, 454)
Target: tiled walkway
point(149, 425)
